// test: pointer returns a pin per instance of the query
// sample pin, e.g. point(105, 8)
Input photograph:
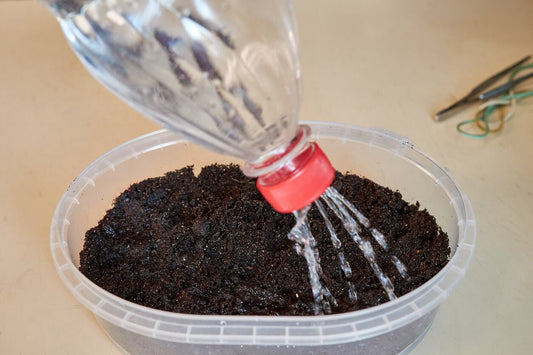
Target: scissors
point(476, 93)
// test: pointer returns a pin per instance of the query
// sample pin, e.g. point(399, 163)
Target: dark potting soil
point(210, 244)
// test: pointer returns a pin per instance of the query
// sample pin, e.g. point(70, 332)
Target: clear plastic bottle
point(223, 73)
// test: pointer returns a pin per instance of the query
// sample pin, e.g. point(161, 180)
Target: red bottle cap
point(299, 182)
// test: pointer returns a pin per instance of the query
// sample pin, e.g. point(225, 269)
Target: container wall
point(391, 343)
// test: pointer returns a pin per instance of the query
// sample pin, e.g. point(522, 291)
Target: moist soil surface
point(210, 244)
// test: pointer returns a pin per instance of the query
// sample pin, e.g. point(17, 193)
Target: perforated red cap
point(307, 177)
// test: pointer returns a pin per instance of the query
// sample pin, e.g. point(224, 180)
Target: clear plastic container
point(390, 328)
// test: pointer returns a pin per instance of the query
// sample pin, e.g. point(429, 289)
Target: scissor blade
point(445, 113)
point(503, 88)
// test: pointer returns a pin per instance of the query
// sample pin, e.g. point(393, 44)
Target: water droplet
point(379, 237)
point(352, 294)
point(402, 269)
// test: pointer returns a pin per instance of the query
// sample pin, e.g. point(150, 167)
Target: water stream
point(305, 245)
point(353, 221)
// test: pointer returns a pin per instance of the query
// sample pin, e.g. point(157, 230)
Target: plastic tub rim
point(64, 264)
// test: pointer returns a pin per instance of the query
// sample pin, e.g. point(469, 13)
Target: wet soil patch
point(210, 244)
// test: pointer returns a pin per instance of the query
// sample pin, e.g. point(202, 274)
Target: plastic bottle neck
point(294, 177)
point(280, 157)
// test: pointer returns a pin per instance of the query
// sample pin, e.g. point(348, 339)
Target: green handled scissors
point(476, 93)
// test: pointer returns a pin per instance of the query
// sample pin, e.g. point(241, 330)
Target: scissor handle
point(498, 75)
point(503, 88)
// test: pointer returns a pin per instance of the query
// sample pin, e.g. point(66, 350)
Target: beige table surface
point(388, 64)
